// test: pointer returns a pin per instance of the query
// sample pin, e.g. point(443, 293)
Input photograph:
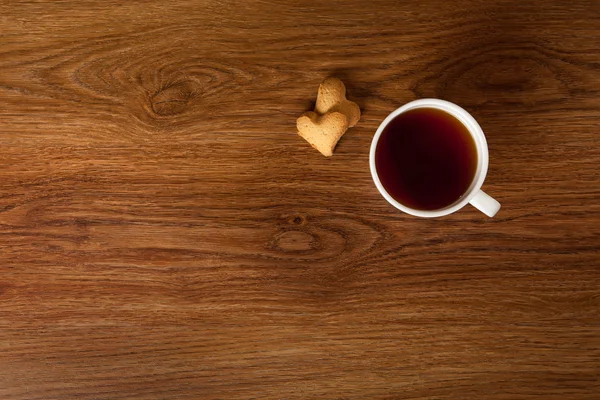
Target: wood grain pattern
point(164, 233)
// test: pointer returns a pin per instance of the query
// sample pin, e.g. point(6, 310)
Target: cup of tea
point(429, 158)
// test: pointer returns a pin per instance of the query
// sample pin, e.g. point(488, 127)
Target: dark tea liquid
point(426, 159)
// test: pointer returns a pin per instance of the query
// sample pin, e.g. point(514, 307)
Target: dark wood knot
point(173, 99)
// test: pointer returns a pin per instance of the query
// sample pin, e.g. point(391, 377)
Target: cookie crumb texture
point(333, 115)
point(332, 97)
point(322, 131)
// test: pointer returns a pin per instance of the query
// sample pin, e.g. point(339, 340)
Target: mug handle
point(485, 203)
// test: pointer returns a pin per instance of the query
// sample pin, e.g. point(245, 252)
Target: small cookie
point(332, 97)
point(322, 131)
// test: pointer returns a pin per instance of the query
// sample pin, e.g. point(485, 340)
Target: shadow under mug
point(474, 195)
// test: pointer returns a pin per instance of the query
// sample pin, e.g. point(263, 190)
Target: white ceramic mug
point(474, 195)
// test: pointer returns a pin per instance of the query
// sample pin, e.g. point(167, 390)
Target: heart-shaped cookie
point(322, 131)
point(332, 98)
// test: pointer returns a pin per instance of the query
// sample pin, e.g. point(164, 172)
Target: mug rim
point(480, 143)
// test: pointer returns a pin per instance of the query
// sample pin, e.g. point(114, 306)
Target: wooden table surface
point(165, 234)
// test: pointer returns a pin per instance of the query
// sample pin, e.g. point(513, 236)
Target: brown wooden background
point(165, 234)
